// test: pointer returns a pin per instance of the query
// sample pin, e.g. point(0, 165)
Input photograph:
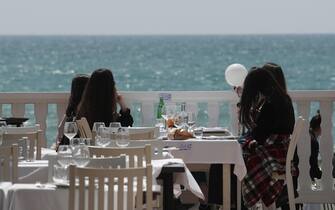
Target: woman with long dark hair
point(266, 110)
point(77, 88)
point(100, 99)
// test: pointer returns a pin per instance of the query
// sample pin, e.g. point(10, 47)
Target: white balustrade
point(214, 99)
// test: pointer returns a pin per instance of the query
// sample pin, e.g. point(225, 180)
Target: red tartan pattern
point(261, 163)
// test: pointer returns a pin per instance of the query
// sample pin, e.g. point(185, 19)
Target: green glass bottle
point(160, 108)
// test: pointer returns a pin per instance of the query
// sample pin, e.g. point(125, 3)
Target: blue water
point(47, 63)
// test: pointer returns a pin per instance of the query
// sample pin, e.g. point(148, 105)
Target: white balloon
point(235, 74)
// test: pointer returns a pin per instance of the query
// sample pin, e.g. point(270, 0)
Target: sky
point(131, 17)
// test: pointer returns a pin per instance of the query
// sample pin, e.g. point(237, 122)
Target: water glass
point(198, 132)
point(103, 137)
point(122, 137)
point(97, 125)
point(70, 130)
point(64, 155)
point(81, 156)
point(75, 142)
point(60, 174)
point(115, 125)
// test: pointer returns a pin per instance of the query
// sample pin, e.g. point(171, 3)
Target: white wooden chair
point(8, 163)
point(299, 124)
point(100, 193)
point(33, 134)
point(136, 155)
point(108, 162)
point(84, 128)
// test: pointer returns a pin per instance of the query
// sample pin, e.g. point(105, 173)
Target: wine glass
point(81, 155)
point(198, 132)
point(3, 126)
point(64, 155)
point(122, 137)
point(70, 130)
point(169, 114)
point(192, 118)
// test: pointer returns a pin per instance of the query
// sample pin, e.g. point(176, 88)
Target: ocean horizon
point(151, 62)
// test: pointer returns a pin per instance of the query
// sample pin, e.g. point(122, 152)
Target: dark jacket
point(314, 170)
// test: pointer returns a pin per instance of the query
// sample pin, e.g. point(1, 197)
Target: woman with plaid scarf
point(267, 111)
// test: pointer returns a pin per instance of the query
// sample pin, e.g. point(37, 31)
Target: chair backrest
point(136, 155)
point(84, 128)
point(156, 147)
point(33, 134)
point(299, 124)
point(108, 162)
point(143, 133)
point(9, 163)
point(106, 188)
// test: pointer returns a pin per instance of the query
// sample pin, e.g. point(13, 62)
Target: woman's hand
point(238, 90)
point(121, 102)
point(252, 145)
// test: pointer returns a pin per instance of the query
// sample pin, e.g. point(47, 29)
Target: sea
point(160, 63)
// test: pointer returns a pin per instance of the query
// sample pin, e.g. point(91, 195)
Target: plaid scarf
point(261, 163)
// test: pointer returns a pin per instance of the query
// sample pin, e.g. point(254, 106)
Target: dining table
point(34, 182)
point(218, 150)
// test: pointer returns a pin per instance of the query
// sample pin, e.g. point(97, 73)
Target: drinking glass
point(70, 130)
point(103, 137)
point(60, 174)
point(122, 137)
point(95, 128)
point(81, 156)
point(115, 125)
point(97, 125)
point(75, 142)
point(192, 118)
point(3, 126)
point(64, 155)
point(198, 132)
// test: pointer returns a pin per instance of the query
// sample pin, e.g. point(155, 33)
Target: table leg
point(226, 186)
point(238, 194)
point(168, 192)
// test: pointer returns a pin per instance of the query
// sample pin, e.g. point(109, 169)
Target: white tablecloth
point(209, 152)
point(31, 172)
point(186, 179)
point(24, 196)
point(4, 186)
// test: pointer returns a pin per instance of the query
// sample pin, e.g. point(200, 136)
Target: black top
point(275, 117)
point(124, 118)
point(314, 170)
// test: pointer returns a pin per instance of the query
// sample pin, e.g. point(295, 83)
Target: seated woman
point(77, 88)
point(266, 110)
point(100, 99)
point(315, 132)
